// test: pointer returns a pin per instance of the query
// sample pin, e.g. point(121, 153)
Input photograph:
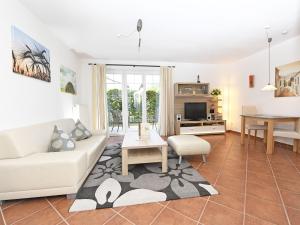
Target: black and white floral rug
point(105, 187)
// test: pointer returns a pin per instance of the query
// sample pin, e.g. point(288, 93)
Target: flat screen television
point(195, 110)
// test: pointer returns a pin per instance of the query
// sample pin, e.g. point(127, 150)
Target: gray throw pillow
point(61, 141)
point(80, 132)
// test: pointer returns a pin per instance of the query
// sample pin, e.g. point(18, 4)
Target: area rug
point(105, 187)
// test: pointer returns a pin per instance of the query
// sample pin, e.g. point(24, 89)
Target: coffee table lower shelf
point(143, 155)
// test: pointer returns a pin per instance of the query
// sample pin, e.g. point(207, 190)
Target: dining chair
point(252, 124)
point(289, 134)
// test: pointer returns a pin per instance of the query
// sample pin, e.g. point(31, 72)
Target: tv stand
point(200, 127)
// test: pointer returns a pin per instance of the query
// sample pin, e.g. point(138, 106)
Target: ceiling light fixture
point(139, 27)
point(269, 86)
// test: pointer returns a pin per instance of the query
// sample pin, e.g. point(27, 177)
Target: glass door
point(114, 103)
point(152, 100)
point(135, 93)
point(132, 98)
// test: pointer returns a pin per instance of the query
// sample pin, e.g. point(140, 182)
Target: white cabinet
point(199, 128)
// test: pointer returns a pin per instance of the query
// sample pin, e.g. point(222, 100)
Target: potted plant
point(215, 93)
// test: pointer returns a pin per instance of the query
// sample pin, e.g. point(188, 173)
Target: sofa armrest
point(42, 171)
point(8, 149)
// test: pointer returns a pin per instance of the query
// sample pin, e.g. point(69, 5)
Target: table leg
point(270, 138)
point(124, 162)
point(295, 145)
point(243, 124)
point(177, 128)
point(297, 125)
point(164, 162)
point(265, 133)
point(296, 141)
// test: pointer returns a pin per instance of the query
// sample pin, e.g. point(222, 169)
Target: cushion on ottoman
point(189, 145)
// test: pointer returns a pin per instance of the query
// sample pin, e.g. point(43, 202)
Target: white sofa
point(28, 170)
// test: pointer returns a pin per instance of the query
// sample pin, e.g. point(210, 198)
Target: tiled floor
point(255, 189)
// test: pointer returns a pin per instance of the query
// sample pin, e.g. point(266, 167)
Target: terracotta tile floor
point(255, 189)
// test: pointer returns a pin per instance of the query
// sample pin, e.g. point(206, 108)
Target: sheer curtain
point(99, 106)
point(166, 101)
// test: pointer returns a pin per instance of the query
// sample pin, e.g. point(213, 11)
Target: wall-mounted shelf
point(192, 89)
point(194, 95)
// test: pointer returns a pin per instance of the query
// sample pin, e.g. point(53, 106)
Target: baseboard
point(277, 143)
point(233, 131)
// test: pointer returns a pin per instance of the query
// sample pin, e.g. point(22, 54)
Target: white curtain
point(166, 102)
point(99, 106)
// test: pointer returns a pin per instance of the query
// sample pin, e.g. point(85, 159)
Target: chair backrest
point(250, 110)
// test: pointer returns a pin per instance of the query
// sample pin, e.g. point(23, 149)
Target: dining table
point(269, 121)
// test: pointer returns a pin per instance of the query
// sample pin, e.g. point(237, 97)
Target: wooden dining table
point(269, 121)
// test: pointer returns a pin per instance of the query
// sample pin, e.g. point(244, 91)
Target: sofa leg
point(1, 202)
point(204, 158)
point(180, 159)
point(71, 196)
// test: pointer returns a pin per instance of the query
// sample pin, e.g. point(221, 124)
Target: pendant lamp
point(269, 86)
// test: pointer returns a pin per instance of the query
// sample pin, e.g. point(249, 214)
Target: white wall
point(214, 74)
point(231, 78)
point(257, 64)
point(24, 100)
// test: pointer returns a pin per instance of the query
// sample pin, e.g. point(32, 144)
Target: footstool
point(189, 145)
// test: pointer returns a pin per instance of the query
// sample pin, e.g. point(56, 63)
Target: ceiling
point(213, 31)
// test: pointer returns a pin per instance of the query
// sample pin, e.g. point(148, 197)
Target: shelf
point(192, 89)
point(216, 100)
point(149, 155)
point(205, 128)
point(200, 121)
point(192, 83)
point(194, 95)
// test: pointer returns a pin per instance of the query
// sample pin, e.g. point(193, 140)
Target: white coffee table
point(152, 149)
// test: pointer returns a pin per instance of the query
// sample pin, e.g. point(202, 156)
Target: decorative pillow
point(61, 141)
point(80, 132)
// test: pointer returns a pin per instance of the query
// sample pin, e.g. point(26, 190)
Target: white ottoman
point(189, 145)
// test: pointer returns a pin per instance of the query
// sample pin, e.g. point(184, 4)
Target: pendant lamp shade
point(269, 87)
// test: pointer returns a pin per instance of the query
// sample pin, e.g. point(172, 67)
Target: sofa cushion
point(61, 141)
point(93, 146)
point(42, 171)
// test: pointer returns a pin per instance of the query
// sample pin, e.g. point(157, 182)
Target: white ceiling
point(206, 31)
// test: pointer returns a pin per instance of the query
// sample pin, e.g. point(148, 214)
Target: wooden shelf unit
point(198, 92)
